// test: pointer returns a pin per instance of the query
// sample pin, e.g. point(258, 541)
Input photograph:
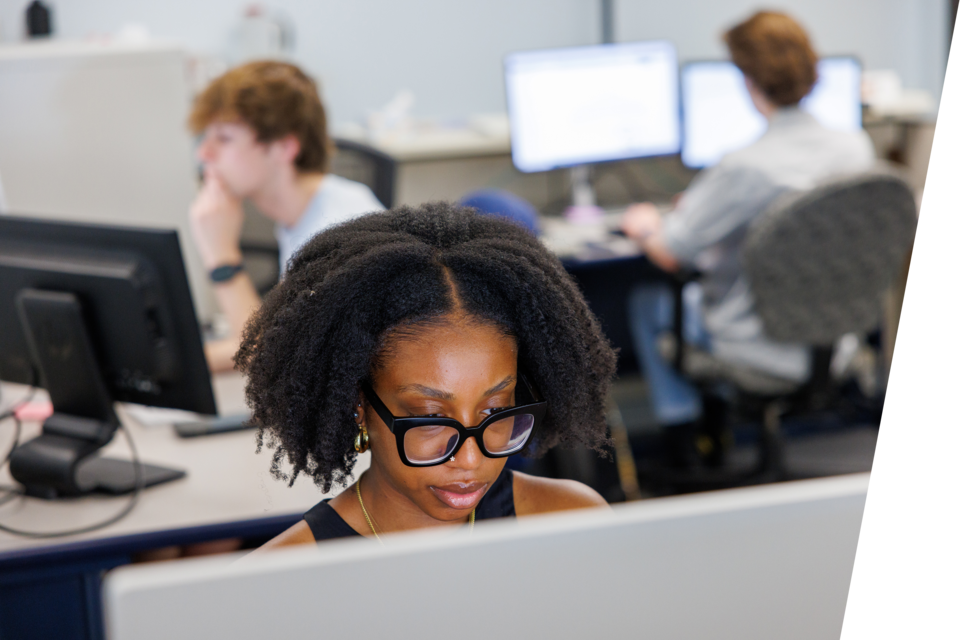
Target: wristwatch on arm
point(225, 273)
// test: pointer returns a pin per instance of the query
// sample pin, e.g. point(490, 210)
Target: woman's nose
point(469, 456)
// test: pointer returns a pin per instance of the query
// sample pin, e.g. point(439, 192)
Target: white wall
point(448, 52)
point(910, 36)
point(96, 134)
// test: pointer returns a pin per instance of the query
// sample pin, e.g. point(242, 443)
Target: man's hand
point(641, 221)
point(216, 218)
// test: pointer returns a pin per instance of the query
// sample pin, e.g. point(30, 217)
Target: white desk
point(587, 241)
point(228, 491)
point(226, 482)
point(445, 161)
point(481, 135)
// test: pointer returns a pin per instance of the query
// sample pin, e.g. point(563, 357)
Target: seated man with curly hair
point(709, 225)
point(441, 341)
point(264, 140)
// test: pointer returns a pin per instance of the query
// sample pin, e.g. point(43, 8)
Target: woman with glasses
point(442, 342)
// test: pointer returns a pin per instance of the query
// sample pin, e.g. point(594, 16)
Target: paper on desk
point(34, 411)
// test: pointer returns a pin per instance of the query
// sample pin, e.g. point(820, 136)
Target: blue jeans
point(675, 400)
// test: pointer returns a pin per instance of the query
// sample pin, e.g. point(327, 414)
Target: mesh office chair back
point(818, 262)
point(366, 165)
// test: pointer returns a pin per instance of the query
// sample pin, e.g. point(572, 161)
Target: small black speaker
point(39, 24)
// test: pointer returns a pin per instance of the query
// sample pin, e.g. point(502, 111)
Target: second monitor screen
point(719, 117)
point(592, 104)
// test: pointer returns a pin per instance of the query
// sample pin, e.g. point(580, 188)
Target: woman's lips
point(460, 495)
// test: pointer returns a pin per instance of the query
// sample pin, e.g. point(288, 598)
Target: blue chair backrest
point(496, 202)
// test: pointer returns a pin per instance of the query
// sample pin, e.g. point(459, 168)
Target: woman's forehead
point(450, 357)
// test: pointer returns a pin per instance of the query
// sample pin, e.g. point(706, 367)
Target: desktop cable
point(12, 492)
point(12, 413)
point(9, 493)
point(139, 480)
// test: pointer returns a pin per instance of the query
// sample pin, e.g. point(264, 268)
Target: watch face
point(225, 272)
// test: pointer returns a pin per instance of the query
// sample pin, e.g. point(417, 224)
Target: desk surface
point(587, 242)
point(489, 134)
point(227, 483)
point(482, 135)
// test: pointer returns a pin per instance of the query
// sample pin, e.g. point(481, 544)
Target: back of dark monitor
point(95, 314)
point(135, 300)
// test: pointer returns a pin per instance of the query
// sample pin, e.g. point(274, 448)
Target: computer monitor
point(719, 117)
point(95, 314)
point(758, 563)
point(584, 105)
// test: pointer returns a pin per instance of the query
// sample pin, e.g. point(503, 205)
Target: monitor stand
point(61, 461)
point(584, 208)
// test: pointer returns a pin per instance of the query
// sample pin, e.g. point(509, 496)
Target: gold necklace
point(473, 516)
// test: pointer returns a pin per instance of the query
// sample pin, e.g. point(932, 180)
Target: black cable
point(140, 482)
point(9, 494)
point(14, 492)
point(20, 403)
point(12, 413)
point(18, 427)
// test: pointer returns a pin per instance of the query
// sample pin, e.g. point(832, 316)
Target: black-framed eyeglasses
point(427, 442)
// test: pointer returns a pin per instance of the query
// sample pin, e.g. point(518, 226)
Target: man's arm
point(718, 202)
point(216, 218)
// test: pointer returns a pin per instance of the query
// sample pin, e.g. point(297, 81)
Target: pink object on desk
point(35, 411)
point(583, 214)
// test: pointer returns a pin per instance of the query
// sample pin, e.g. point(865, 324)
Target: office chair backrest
point(503, 204)
point(366, 165)
point(819, 261)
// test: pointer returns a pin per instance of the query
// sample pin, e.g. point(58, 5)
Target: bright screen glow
point(718, 116)
point(592, 104)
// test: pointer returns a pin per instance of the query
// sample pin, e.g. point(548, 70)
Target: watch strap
point(225, 272)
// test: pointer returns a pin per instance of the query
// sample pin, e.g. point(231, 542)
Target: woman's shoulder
point(298, 534)
point(533, 494)
point(322, 522)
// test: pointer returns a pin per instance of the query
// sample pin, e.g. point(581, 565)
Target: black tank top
point(326, 523)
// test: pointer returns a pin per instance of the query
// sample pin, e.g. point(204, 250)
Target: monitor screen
point(718, 116)
point(592, 104)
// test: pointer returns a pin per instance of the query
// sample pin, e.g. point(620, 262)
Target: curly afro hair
point(319, 332)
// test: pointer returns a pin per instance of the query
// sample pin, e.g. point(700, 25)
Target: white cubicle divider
point(97, 132)
point(764, 562)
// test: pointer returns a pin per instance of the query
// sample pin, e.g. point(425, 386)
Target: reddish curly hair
point(774, 51)
point(275, 99)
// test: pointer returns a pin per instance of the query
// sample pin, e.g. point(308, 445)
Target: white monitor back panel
point(719, 117)
point(97, 133)
point(592, 104)
point(758, 563)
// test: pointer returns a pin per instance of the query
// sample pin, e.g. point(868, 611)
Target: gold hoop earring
point(362, 442)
